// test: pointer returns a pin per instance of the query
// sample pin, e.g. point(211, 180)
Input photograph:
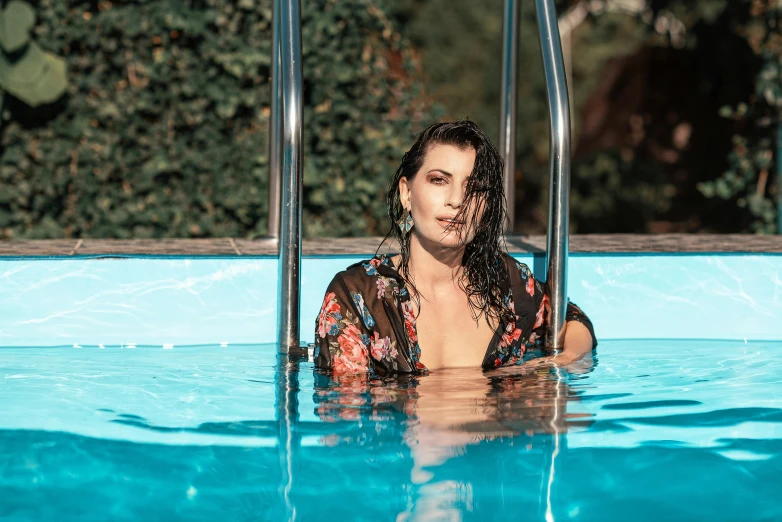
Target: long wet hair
point(482, 263)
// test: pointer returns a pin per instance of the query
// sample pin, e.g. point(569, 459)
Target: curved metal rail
point(287, 84)
point(291, 186)
point(510, 59)
point(559, 192)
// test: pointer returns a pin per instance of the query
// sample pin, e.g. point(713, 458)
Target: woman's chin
point(449, 239)
point(453, 241)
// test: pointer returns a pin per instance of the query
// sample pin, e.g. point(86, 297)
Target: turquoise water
point(647, 430)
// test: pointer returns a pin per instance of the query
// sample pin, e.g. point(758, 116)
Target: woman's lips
point(449, 222)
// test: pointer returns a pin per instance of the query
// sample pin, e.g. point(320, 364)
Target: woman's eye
point(437, 180)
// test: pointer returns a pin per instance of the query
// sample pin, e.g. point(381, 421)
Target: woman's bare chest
point(449, 334)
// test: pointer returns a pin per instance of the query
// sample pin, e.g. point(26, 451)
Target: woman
point(452, 297)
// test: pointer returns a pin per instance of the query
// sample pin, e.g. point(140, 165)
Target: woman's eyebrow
point(441, 171)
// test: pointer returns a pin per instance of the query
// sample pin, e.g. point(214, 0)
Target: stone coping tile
point(38, 248)
point(592, 243)
point(155, 247)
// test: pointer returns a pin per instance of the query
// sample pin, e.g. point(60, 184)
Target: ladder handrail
point(287, 83)
point(291, 186)
point(509, 95)
point(560, 147)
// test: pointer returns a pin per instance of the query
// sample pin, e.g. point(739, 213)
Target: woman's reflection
point(442, 419)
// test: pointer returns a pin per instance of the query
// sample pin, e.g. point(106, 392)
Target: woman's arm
point(341, 340)
point(528, 292)
point(578, 342)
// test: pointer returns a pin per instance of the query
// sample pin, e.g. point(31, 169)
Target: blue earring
point(405, 223)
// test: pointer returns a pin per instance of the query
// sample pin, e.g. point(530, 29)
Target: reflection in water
point(447, 415)
point(289, 440)
point(552, 468)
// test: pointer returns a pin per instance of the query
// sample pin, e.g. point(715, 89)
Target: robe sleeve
point(540, 296)
point(343, 332)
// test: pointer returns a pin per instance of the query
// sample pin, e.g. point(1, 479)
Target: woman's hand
point(577, 344)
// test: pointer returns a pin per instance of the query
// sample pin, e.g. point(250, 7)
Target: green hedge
point(163, 130)
point(752, 180)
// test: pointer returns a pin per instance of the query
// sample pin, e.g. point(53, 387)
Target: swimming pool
point(129, 392)
point(652, 430)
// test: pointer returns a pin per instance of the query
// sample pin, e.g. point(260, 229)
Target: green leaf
point(36, 77)
point(16, 21)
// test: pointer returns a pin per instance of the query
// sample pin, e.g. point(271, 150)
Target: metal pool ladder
point(285, 156)
point(285, 181)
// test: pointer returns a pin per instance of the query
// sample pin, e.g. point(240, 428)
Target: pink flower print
point(511, 335)
point(382, 284)
point(380, 346)
point(407, 310)
point(352, 356)
point(329, 315)
point(540, 317)
point(371, 267)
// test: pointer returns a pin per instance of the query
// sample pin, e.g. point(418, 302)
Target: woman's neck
point(433, 265)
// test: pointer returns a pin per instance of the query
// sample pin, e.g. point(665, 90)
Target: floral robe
point(367, 321)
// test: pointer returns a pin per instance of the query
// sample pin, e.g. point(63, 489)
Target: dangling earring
point(405, 223)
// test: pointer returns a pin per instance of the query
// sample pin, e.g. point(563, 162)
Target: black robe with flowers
point(367, 322)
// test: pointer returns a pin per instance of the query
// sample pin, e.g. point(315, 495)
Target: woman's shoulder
point(371, 267)
point(514, 266)
point(365, 272)
point(522, 282)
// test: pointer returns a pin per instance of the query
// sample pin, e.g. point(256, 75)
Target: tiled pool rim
point(229, 247)
point(210, 291)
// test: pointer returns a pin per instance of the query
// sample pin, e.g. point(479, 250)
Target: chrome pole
point(559, 113)
point(290, 218)
point(510, 46)
point(275, 128)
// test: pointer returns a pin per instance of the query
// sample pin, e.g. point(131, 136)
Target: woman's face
point(435, 194)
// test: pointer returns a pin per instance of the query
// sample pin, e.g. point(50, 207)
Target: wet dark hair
point(482, 264)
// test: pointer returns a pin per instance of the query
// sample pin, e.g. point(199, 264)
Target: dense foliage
point(755, 170)
point(163, 127)
point(462, 68)
point(668, 64)
point(163, 130)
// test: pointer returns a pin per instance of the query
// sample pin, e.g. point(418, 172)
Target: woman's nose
point(456, 196)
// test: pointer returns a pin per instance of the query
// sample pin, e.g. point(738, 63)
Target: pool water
point(645, 430)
